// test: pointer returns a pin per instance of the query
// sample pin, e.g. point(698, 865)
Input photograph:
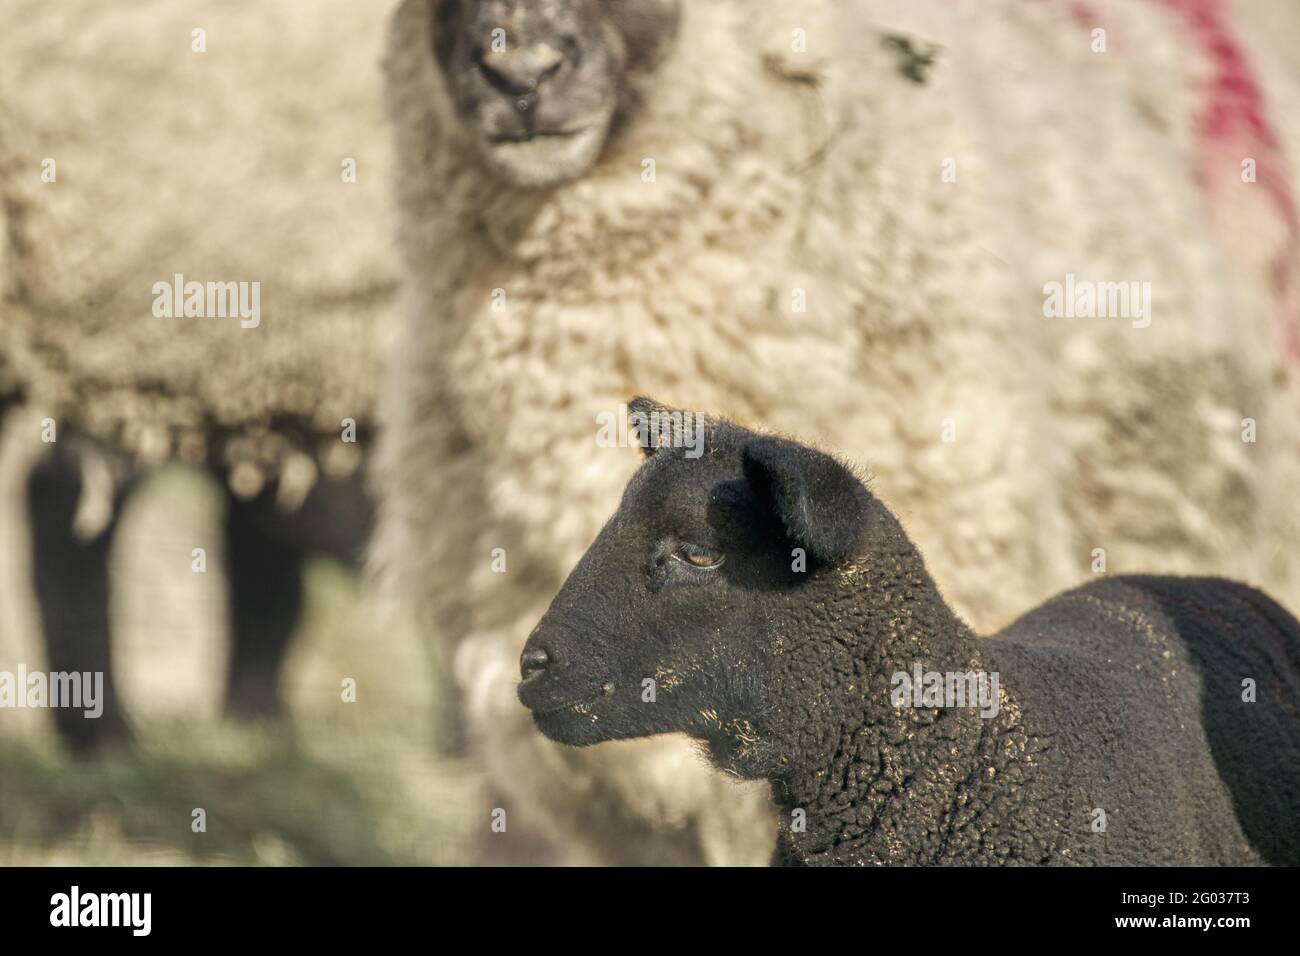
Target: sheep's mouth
point(577, 707)
point(534, 695)
point(530, 135)
point(546, 155)
point(577, 725)
point(576, 721)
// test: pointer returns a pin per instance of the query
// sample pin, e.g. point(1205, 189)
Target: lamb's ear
point(818, 501)
point(657, 426)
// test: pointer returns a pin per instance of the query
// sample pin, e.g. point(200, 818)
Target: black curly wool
point(1122, 698)
point(1136, 720)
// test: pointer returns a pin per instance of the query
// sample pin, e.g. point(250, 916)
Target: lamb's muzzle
point(533, 662)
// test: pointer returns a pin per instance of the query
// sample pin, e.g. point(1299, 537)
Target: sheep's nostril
point(533, 662)
point(520, 71)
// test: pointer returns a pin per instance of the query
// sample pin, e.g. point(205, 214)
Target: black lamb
point(758, 597)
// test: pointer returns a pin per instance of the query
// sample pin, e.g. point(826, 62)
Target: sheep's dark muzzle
point(566, 702)
point(533, 663)
point(558, 714)
point(546, 685)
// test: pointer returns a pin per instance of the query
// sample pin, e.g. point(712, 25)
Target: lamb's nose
point(521, 71)
point(533, 662)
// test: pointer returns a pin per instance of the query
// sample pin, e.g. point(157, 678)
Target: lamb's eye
point(698, 558)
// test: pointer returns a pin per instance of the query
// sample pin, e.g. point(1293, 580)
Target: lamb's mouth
point(580, 707)
point(533, 696)
point(577, 707)
point(576, 725)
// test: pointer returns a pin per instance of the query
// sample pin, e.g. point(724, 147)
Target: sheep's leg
point(264, 573)
point(70, 577)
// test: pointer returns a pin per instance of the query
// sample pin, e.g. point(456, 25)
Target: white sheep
point(848, 221)
point(240, 146)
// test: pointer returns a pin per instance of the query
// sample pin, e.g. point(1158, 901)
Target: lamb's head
point(678, 616)
point(539, 84)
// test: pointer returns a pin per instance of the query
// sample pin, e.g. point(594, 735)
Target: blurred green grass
point(269, 799)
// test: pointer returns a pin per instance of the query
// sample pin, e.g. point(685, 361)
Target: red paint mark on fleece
point(1083, 13)
point(1234, 126)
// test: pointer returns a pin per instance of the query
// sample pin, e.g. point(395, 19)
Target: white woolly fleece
point(225, 166)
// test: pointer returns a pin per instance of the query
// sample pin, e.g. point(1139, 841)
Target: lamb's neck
point(881, 781)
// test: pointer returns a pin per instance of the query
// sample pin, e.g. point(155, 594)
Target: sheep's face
point(671, 622)
point(539, 84)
